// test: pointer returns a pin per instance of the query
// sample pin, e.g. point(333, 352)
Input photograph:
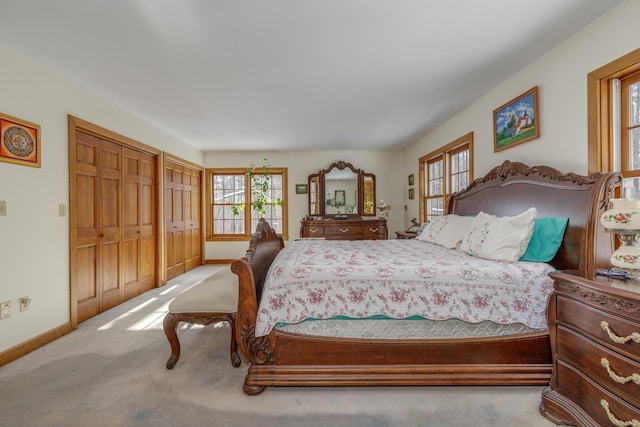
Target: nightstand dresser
point(594, 326)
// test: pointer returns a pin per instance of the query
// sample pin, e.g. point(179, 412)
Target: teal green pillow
point(546, 239)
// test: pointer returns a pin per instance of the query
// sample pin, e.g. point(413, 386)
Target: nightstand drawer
point(614, 372)
point(599, 403)
point(600, 325)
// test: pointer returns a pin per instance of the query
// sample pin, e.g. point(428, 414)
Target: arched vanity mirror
point(342, 189)
point(342, 205)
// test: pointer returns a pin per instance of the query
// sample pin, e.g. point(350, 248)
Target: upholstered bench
point(214, 299)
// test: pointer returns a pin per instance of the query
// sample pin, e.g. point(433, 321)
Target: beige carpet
point(111, 372)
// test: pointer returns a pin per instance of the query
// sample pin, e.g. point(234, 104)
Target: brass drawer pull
point(313, 230)
point(620, 380)
point(344, 230)
point(635, 337)
point(373, 230)
point(616, 422)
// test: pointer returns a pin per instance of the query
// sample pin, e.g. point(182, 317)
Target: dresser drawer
point(600, 325)
point(313, 231)
point(373, 232)
point(344, 230)
point(609, 369)
point(597, 402)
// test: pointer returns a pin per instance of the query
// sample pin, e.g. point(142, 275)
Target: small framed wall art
point(411, 179)
point(411, 194)
point(301, 188)
point(19, 141)
point(517, 121)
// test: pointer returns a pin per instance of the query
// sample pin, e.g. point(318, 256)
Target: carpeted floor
point(110, 372)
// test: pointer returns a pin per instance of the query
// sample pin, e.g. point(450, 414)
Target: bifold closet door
point(183, 237)
point(115, 223)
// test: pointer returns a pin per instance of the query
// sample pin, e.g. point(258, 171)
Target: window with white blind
point(444, 172)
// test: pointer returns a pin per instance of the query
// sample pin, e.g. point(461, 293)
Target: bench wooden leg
point(170, 325)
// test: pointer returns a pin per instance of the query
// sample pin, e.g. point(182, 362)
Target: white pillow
point(446, 230)
point(499, 238)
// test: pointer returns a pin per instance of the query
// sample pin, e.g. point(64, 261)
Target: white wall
point(386, 165)
point(34, 240)
point(561, 77)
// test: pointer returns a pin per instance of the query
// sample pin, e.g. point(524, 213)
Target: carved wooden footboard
point(288, 359)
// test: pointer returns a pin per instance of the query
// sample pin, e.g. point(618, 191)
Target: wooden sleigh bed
point(292, 359)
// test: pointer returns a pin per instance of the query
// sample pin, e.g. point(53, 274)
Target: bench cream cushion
point(215, 294)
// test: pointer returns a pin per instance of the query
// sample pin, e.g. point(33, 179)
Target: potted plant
point(260, 196)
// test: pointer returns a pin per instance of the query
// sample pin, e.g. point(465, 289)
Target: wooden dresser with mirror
point(342, 205)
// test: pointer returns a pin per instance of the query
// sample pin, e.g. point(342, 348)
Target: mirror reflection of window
point(314, 188)
point(341, 191)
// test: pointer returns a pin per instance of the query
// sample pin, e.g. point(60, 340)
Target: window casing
point(612, 120)
point(630, 134)
point(227, 187)
point(444, 172)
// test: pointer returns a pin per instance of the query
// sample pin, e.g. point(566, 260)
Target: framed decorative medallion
point(19, 141)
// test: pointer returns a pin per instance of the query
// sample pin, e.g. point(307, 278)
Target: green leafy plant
point(260, 196)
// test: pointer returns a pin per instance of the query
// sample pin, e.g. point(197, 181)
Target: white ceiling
point(292, 74)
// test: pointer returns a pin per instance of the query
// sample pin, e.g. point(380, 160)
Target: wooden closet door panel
point(174, 194)
point(132, 218)
point(85, 275)
point(178, 219)
point(148, 222)
point(170, 261)
point(192, 206)
point(110, 224)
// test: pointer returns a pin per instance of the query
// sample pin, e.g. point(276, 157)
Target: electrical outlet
point(25, 303)
point(5, 309)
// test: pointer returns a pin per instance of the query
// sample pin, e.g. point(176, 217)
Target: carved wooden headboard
point(513, 187)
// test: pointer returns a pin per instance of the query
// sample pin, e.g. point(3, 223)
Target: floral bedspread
point(319, 279)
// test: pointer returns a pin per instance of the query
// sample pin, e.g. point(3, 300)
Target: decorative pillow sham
point(546, 239)
point(446, 231)
point(499, 238)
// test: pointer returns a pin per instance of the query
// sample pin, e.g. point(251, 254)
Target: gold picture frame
point(19, 141)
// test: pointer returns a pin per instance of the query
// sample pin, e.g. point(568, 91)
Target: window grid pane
point(231, 188)
point(227, 191)
point(459, 171)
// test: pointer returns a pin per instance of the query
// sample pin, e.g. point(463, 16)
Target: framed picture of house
point(516, 121)
point(19, 141)
point(301, 188)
